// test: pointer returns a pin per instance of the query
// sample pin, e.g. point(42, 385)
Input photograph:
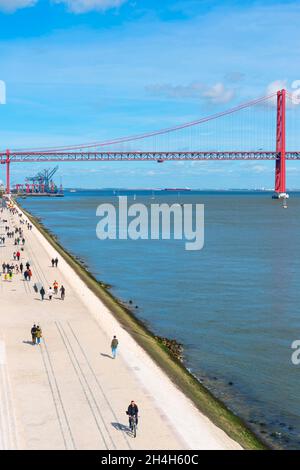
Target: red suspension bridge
point(183, 143)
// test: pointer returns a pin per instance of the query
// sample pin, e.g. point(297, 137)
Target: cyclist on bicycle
point(132, 411)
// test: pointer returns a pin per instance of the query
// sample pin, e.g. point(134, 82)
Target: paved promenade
point(68, 393)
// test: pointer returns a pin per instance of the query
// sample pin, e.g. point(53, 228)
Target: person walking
point(50, 293)
point(114, 346)
point(62, 292)
point(21, 268)
point(38, 334)
point(29, 274)
point(55, 287)
point(56, 262)
point(33, 334)
point(52, 262)
point(42, 292)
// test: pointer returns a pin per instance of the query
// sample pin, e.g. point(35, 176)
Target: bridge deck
point(72, 156)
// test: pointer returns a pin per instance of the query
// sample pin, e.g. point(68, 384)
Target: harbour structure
point(41, 184)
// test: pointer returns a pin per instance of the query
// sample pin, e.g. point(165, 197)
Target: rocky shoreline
point(175, 348)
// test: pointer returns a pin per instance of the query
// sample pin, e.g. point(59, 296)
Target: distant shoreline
point(187, 189)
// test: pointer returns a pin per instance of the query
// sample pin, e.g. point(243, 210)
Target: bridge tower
point(280, 174)
point(7, 161)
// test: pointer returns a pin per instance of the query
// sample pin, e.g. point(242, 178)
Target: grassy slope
point(214, 409)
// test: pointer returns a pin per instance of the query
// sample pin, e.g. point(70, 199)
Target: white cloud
point(216, 94)
point(275, 86)
point(83, 6)
point(2, 92)
point(10, 6)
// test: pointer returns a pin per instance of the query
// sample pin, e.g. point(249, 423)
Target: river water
point(234, 305)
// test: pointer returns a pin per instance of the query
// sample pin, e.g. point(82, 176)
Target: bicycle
point(132, 424)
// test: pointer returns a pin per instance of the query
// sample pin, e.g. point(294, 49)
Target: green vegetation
point(210, 406)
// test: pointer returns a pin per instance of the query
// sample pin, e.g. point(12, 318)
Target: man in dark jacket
point(132, 411)
point(42, 292)
point(33, 334)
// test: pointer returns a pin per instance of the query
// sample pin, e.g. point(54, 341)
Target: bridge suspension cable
point(131, 138)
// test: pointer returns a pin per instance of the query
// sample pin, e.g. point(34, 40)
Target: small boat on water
point(177, 189)
point(73, 191)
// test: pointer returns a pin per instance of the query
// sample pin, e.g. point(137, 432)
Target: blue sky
point(85, 70)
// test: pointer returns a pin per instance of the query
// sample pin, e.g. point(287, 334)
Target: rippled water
point(234, 305)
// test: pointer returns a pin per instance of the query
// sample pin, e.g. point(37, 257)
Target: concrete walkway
point(68, 393)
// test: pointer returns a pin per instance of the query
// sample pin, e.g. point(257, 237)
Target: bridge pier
point(280, 167)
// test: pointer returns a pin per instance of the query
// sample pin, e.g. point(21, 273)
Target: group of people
point(8, 270)
point(27, 274)
point(9, 233)
point(19, 236)
point(8, 276)
point(36, 331)
point(6, 267)
point(54, 262)
point(52, 291)
point(19, 240)
point(16, 255)
point(36, 334)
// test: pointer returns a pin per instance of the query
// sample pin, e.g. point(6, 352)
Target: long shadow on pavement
point(121, 427)
point(106, 355)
